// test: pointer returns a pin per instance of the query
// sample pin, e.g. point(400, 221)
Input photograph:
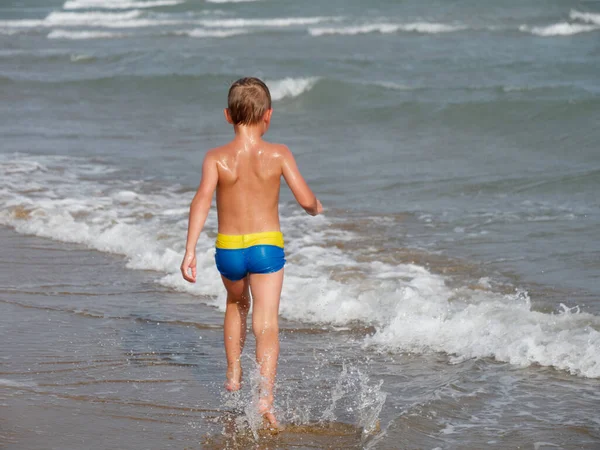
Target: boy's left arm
point(198, 212)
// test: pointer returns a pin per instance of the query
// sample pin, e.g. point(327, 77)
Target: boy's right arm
point(198, 212)
point(304, 196)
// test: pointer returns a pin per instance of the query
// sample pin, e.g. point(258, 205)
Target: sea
point(448, 297)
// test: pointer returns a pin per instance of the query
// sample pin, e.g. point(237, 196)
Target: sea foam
point(274, 22)
point(231, 1)
point(118, 4)
point(89, 18)
point(386, 28)
point(216, 33)
point(410, 308)
point(585, 16)
point(77, 35)
point(559, 29)
point(290, 87)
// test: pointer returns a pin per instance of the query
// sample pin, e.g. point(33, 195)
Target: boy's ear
point(228, 116)
point(268, 114)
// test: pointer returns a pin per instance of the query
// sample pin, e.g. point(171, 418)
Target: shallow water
point(452, 281)
point(98, 355)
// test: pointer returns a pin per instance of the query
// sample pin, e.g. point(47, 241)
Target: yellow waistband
point(235, 241)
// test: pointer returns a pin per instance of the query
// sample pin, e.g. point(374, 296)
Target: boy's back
point(249, 175)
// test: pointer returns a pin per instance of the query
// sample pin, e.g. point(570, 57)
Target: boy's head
point(248, 101)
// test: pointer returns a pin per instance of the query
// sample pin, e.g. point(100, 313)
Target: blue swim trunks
point(238, 255)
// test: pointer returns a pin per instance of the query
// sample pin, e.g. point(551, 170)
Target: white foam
point(231, 1)
point(504, 327)
point(274, 23)
point(353, 30)
point(92, 18)
point(118, 4)
point(585, 17)
point(411, 308)
point(290, 87)
point(204, 33)
point(78, 35)
point(386, 28)
point(431, 28)
point(559, 29)
point(136, 19)
point(21, 23)
point(129, 19)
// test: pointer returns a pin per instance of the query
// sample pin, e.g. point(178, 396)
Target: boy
point(246, 174)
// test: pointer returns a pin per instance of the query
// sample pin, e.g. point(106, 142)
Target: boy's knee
point(242, 301)
point(261, 328)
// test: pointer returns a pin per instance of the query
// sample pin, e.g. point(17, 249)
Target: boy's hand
point(319, 207)
point(189, 262)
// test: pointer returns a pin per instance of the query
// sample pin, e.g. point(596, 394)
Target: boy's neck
point(249, 132)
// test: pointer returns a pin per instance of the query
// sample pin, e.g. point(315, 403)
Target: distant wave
point(77, 35)
point(591, 22)
point(136, 19)
point(276, 22)
point(585, 17)
point(385, 28)
point(21, 23)
point(118, 4)
point(290, 87)
point(559, 29)
point(230, 1)
point(203, 33)
point(129, 19)
point(193, 33)
point(89, 18)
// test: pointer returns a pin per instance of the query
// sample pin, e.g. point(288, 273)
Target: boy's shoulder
point(277, 149)
point(272, 148)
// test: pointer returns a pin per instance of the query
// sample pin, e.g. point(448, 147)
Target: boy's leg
point(266, 292)
point(238, 304)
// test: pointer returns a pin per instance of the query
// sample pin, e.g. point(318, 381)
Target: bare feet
point(265, 408)
point(234, 379)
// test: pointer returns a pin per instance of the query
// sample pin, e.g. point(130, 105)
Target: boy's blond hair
point(248, 101)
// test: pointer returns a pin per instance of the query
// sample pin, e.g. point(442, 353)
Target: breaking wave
point(412, 309)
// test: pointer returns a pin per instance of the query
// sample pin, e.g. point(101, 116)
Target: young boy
point(246, 174)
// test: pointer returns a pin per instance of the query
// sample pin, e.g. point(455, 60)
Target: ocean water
point(449, 296)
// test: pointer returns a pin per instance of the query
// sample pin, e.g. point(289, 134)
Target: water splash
point(352, 402)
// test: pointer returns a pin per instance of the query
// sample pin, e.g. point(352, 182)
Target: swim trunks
point(238, 255)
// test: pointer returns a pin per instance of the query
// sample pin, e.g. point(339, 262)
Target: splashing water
point(353, 399)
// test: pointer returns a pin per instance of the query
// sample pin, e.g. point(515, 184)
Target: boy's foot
point(265, 409)
point(234, 379)
point(232, 385)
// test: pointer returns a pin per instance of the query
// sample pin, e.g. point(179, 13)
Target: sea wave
point(93, 18)
point(559, 29)
point(231, 1)
point(386, 28)
point(22, 23)
point(118, 4)
point(137, 18)
point(204, 33)
point(585, 16)
point(86, 202)
point(79, 35)
point(275, 22)
point(129, 19)
point(290, 87)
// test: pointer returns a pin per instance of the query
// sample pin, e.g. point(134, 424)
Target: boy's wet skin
point(246, 174)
